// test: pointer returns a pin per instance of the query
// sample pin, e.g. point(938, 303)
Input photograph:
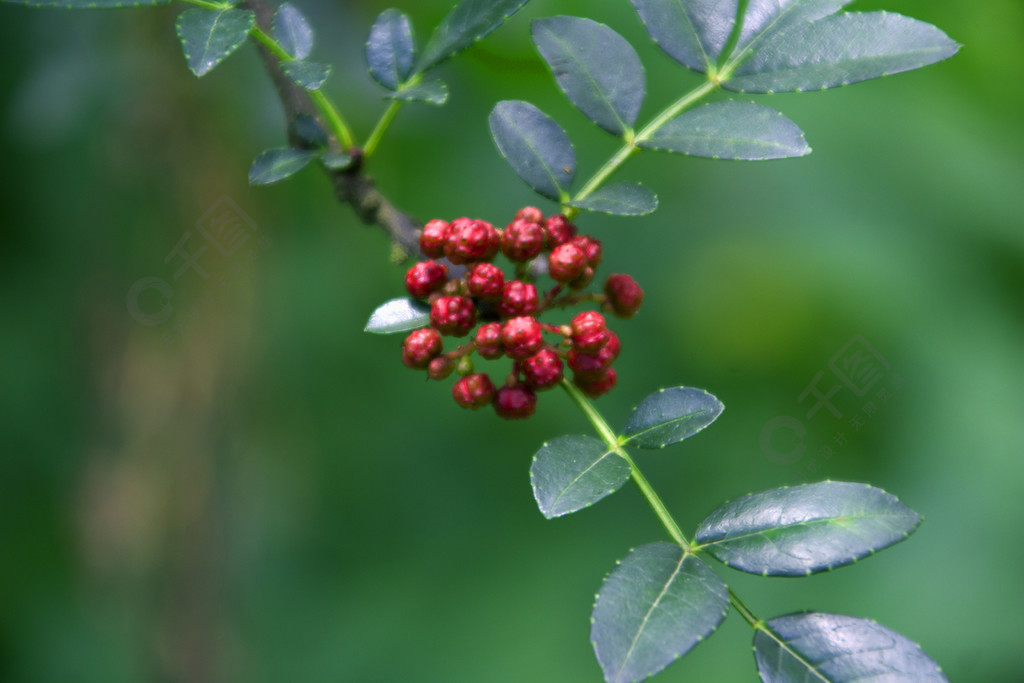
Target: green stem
point(382, 125)
point(324, 103)
point(608, 436)
point(630, 147)
point(216, 6)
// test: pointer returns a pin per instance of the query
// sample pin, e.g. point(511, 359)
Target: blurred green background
point(256, 490)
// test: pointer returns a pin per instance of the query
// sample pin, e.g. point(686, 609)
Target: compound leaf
point(390, 49)
point(620, 199)
point(692, 32)
point(277, 164)
point(292, 31)
point(670, 415)
point(595, 67)
point(731, 130)
point(308, 75)
point(573, 472)
point(208, 36)
point(535, 146)
point(398, 315)
point(814, 646)
point(86, 4)
point(839, 50)
point(656, 605)
point(468, 22)
point(431, 92)
point(801, 530)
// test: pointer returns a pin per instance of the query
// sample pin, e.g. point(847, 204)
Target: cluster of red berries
point(464, 288)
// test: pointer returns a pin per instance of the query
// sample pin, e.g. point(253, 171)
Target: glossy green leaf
point(573, 472)
point(292, 31)
point(620, 199)
point(800, 530)
point(595, 67)
point(731, 130)
point(277, 164)
point(86, 4)
point(390, 50)
point(308, 75)
point(692, 32)
point(431, 92)
point(468, 22)
point(840, 50)
point(766, 18)
point(653, 608)
point(535, 146)
point(208, 36)
point(670, 415)
point(812, 647)
point(398, 315)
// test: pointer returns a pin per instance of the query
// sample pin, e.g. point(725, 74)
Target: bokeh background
point(256, 490)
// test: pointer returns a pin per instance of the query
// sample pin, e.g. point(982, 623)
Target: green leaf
point(653, 608)
point(390, 50)
point(86, 4)
point(620, 199)
point(730, 130)
point(766, 18)
point(468, 22)
point(208, 36)
point(336, 161)
point(840, 50)
point(815, 646)
point(573, 472)
point(292, 31)
point(805, 529)
point(308, 75)
point(310, 130)
point(692, 32)
point(595, 67)
point(398, 315)
point(431, 92)
point(671, 415)
point(277, 164)
point(535, 146)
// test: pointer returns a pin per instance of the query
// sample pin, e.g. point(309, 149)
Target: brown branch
point(351, 185)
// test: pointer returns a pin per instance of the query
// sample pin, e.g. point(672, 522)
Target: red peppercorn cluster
point(464, 289)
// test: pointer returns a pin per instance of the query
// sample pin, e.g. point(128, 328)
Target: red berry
point(543, 370)
point(433, 237)
point(531, 214)
point(598, 385)
point(589, 332)
point(516, 402)
point(585, 278)
point(588, 365)
point(590, 247)
point(425, 278)
point(566, 262)
point(624, 295)
point(440, 368)
point(521, 337)
point(420, 347)
point(522, 240)
point(485, 281)
point(473, 391)
point(559, 229)
point(470, 241)
point(453, 315)
point(518, 298)
point(488, 341)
